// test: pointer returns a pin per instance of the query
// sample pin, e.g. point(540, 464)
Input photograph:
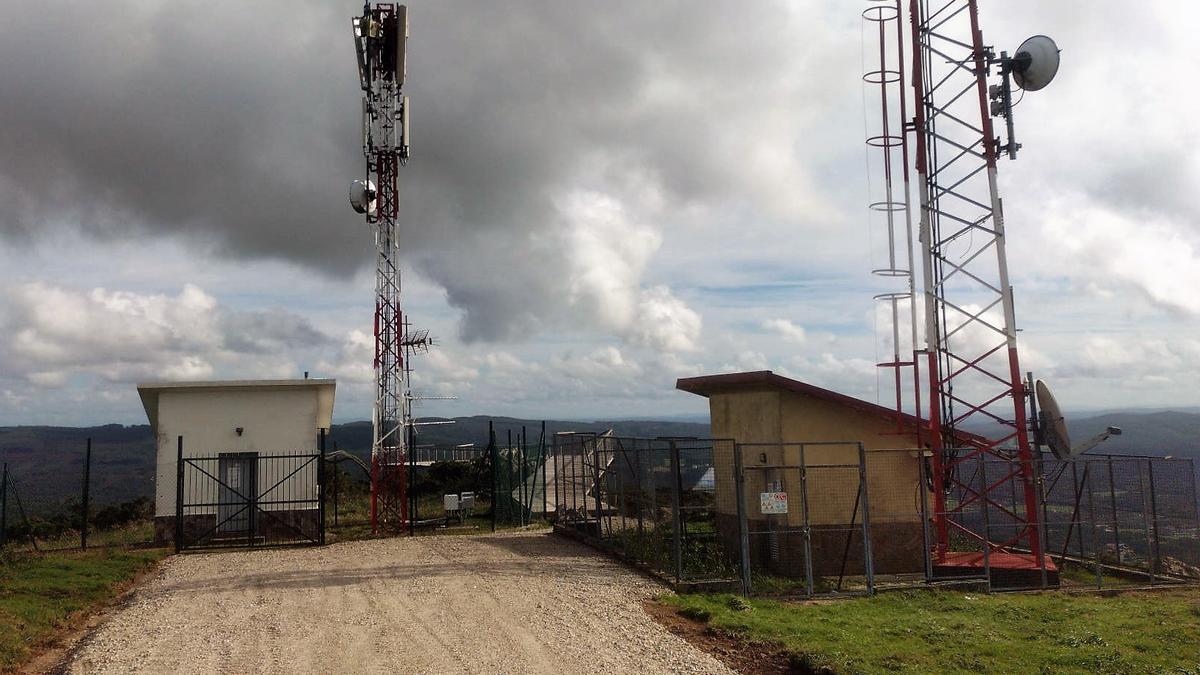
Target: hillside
point(47, 462)
point(1155, 433)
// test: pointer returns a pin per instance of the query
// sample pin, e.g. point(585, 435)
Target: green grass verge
point(953, 632)
point(40, 593)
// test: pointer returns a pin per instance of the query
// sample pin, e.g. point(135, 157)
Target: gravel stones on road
point(526, 602)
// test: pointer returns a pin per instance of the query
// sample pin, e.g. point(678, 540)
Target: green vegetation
point(941, 631)
point(124, 523)
point(354, 518)
point(41, 594)
point(353, 507)
point(702, 555)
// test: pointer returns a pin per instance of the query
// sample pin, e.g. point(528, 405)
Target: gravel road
point(526, 602)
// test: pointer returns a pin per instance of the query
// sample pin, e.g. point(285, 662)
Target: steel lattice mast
point(380, 36)
point(973, 371)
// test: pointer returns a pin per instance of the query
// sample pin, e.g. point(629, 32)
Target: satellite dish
point(1035, 63)
point(362, 196)
point(1052, 422)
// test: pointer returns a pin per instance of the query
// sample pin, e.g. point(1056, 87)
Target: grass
point(140, 532)
point(930, 631)
point(354, 518)
point(40, 594)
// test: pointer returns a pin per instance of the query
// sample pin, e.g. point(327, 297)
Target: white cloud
point(609, 254)
point(123, 336)
point(664, 323)
point(785, 329)
point(1153, 254)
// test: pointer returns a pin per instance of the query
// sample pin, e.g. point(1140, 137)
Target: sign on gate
point(773, 502)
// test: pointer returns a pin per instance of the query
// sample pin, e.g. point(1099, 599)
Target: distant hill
point(1142, 433)
point(47, 462)
point(1156, 433)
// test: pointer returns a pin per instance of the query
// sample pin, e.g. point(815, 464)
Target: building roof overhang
point(149, 393)
point(707, 385)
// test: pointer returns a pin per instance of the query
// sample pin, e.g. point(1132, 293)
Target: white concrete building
point(229, 429)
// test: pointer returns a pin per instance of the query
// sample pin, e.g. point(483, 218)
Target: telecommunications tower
point(982, 470)
point(380, 36)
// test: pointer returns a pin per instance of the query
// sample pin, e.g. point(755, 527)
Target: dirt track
point(511, 603)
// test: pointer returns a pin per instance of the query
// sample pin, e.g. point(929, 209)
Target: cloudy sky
point(603, 197)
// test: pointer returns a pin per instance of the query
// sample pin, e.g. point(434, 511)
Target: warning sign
point(773, 502)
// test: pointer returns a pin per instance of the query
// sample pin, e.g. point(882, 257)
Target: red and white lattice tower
point(981, 469)
point(380, 36)
point(970, 329)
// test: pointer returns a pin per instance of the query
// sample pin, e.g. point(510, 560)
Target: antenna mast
point(974, 375)
point(380, 37)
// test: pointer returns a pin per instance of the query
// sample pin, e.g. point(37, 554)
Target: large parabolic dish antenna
point(1053, 424)
point(1035, 63)
point(362, 196)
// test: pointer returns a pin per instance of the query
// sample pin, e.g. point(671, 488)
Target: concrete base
point(278, 527)
point(1007, 570)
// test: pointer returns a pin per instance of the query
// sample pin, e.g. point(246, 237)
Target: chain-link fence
point(812, 519)
point(1114, 520)
point(830, 518)
point(653, 502)
point(519, 476)
point(71, 505)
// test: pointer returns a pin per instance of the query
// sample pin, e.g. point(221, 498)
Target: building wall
point(778, 418)
point(281, 420)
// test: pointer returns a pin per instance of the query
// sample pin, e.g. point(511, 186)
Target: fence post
point(596, 484)
point(868, 558)
point(1153, 515)
point(4, 506)
point(924, 491)
point(1146, 520)
point(987, 523)
point(411, 443)
point(179, 495)
point(514, 455)
point(87, 473)
point(1192, 483)
point(555, 451)
point(526, 501)
point(1087, 476)
point(1112, 499)
point(677, 521)
point(809, 586)
point(1039, 478)
point(336, 480)
point(545, 487)
point(495, 465)
point(321, 488)
point(739, 491)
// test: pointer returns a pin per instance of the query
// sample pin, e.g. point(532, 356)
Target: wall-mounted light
point(239, 431)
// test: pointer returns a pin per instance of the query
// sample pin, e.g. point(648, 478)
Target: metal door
point(238, 486)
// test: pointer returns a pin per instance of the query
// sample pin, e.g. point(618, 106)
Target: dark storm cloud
point(269, 331)
point(235, 125)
